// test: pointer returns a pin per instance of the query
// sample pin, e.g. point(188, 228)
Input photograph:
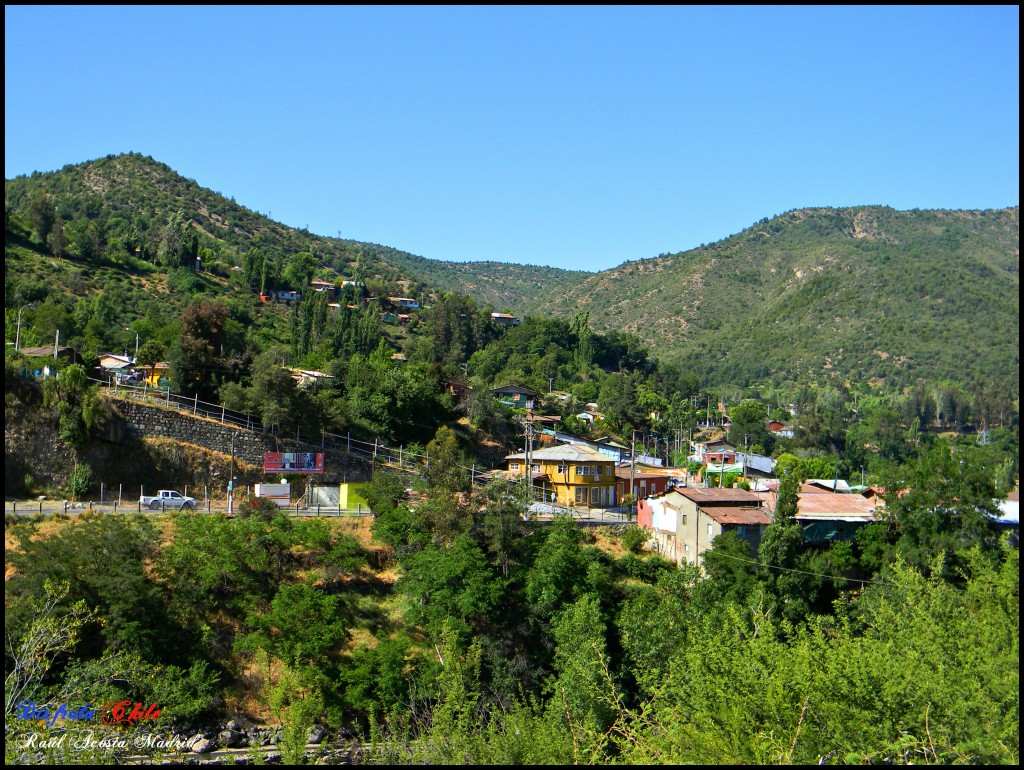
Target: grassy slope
point(868, 291)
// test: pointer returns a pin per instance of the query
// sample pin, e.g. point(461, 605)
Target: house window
point(684, 523)
point(583, 470)
point(710, 531)
point(595, 495)
point(581, 495)
point(741, 531)
point(563, 468)
point(536, 468)
point(513, 466)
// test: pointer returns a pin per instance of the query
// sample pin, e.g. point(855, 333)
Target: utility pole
point(528, 475)
point(632, 469)
point(17, 337)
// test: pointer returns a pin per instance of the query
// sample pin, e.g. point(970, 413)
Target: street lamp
point(128, 329)
point(17, 338)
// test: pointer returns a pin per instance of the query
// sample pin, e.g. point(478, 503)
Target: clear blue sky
point(575, 137)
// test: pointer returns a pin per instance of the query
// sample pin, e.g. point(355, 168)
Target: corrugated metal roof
point(745, 516)
point(823, 507)
point(714, 495)
point(565, 452)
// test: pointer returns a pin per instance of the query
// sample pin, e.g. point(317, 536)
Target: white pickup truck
point(167, 498)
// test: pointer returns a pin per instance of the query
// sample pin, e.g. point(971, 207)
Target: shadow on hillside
point(368, 591)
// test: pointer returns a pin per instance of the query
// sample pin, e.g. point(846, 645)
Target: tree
point(53, 630)
point(305, 627)
point(731, 569)
point(749, 426)
point(450, 584)
point(446, 471)
point(198, 355)
point(559, 571)
point(299, 270)
point(273, 390)
point(945, 504)
point(583, 355)
point(56, 239)
point(455, 329)
point(583, 692)
point(103, 559)
point(175, 248)
point(41, 214)
point(502, 531)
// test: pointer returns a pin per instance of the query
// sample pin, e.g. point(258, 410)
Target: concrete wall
point(144, 421)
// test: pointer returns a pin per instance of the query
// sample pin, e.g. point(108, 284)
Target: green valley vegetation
point(507, 641)
point(456, 629)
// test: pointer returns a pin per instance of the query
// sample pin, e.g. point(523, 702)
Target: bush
point(634, 538)
point(80, 481)
point(647, 569)
point(259, 507)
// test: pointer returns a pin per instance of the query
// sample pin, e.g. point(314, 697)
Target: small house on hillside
point(324, 287)
point(829, 517)
point(646, 482)
point(685, 520)
point(405, 302)
point(156, 374)
point(304, 377)
point(504, 319)
point(515, 395)
point(112, 365)
point(824, 486)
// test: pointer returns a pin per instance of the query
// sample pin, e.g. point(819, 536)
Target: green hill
point(121, 206)
point(503, 286)
point(854, 293)
point(864, 292)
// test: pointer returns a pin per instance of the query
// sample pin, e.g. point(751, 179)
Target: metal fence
point(380, 454)
point(66, 507)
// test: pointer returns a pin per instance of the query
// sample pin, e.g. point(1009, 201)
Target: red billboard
point(293, 462)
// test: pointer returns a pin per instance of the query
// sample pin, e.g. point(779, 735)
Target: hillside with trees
point(833, 295)
point(865, 293)
point(813, 310)
point(455, 626)
point(461, 633)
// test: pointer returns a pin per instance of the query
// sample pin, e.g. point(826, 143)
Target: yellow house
point(575, 475)
point(156, 374)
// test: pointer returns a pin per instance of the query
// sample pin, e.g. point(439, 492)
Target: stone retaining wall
point(146, 421)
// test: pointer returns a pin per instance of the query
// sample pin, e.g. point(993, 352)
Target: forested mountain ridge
point(860, 293)
point(122, 204)
point(503, 286)
point(864, 292)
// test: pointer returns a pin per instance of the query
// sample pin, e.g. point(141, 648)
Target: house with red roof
point(685, 521)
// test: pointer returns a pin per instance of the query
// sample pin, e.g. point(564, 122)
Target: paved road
point(34, 507)
point(539, 512)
